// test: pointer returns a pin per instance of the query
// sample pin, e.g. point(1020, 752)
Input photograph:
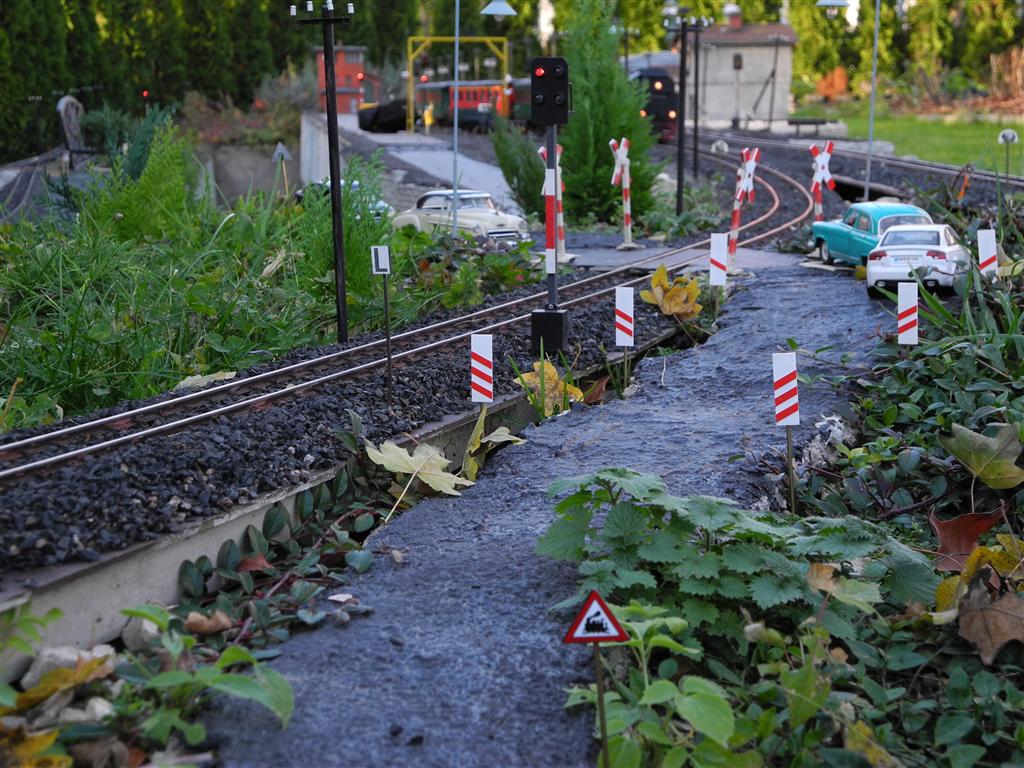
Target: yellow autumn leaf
point(57, 680)
point(548, 388)
point(425, 462)
point(677, 297)
point(1005, 563)
point(650, 298)
point(660, 278)
point(948, 593)
point(28, 750)
point(858, 737)
point(1011, 544)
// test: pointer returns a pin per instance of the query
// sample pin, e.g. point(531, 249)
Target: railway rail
point(899, 162)
point(45, 451)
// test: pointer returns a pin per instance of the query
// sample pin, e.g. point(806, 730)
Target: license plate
point(907, 259)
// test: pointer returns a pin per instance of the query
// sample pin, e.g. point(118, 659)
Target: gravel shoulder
point(462, 662)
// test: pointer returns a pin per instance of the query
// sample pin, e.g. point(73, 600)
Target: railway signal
point(822, 175)
point(549, 104)
point(549, 91)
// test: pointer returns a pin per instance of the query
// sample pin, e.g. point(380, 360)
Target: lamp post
point(698, 26)
point(498, 9)
point(674, 20)
point(327, 20)
point(832, 8)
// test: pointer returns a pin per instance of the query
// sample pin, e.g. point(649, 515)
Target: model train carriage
point(479, 102)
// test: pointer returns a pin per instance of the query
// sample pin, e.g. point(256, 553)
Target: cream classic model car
point(477, 214)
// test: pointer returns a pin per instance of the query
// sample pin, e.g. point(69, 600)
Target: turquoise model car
point(850, 239)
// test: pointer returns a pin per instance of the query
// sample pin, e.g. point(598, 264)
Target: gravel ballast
point(461, 662)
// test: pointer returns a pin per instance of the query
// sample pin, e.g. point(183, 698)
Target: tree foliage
point(606, 105)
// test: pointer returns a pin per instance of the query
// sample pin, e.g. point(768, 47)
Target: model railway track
point(899, 162)
point(42, 452)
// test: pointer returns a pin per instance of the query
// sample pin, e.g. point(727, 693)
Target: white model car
point(477, 214)
point(904, 249)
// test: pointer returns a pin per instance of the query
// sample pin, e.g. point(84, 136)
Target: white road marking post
point(787, 409)
point(620, 177)
point(988, 261)
point(481, 367)
point(595, 623)
point(744, 191)
point(822, 175)
point(380, 262)
point(906, 314)
point(559, 195)
point(625, 324)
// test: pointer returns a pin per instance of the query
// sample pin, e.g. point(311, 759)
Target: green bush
point(606, 106)
point(521, 166)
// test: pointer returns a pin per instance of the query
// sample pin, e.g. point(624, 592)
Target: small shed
point(746, 71)
point(353, 84)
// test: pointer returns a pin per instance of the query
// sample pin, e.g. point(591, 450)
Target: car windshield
point(904, 218)
point(911, 237)
point(477, 202)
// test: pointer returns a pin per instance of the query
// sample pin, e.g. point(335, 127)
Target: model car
point(851, 238)
point(477, 214)
point(380, 209)
point(931, 250)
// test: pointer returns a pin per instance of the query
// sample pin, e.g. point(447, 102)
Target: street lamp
point(674, 21)
point(327, 20)
point(832, 8)
point(498, 9)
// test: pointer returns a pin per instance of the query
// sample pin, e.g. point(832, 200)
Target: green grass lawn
point(956, 142)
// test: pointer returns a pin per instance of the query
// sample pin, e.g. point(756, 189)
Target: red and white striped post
point(620, 177)
point(624, 320)
point(787, 409)
point(718, 265)
point(550, 222)
point(744, 192)
point(481, 367)
point(559, 194)
point(822, 175)
point(988, 259)
point(906, 314)
point(624, 327)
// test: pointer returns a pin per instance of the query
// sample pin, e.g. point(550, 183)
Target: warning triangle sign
point(595, 623)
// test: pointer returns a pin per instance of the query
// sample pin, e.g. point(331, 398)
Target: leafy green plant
point(19, 629)
point(520, 165)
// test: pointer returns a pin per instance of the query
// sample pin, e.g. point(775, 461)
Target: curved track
point(42, 452)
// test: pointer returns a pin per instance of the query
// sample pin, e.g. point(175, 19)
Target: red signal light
point(423, 78)
point(145, 94)
point(539, 71)
point(360, 76)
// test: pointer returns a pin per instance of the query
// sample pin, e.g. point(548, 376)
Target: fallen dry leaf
point(958, 537)
point(397, 556)
point(596, 392)
point(258, 563)
point(101, 753)
point(198, 624)
point(343, 597)
point(838, 654)
point(990, 625)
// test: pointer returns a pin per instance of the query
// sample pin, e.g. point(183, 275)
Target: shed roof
point(725, 36)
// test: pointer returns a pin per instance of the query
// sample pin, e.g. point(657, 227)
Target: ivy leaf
point(990, 459)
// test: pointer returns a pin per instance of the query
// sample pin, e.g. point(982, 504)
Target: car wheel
point(825, 253)
point(873, 293)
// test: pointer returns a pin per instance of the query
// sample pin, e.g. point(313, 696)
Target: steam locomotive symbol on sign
point(595, 622)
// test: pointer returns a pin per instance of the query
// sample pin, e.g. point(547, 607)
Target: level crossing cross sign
point(745, 178)
point(822, 175)
point(595, 623)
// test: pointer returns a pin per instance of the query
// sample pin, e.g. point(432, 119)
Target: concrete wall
point(718, 97)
